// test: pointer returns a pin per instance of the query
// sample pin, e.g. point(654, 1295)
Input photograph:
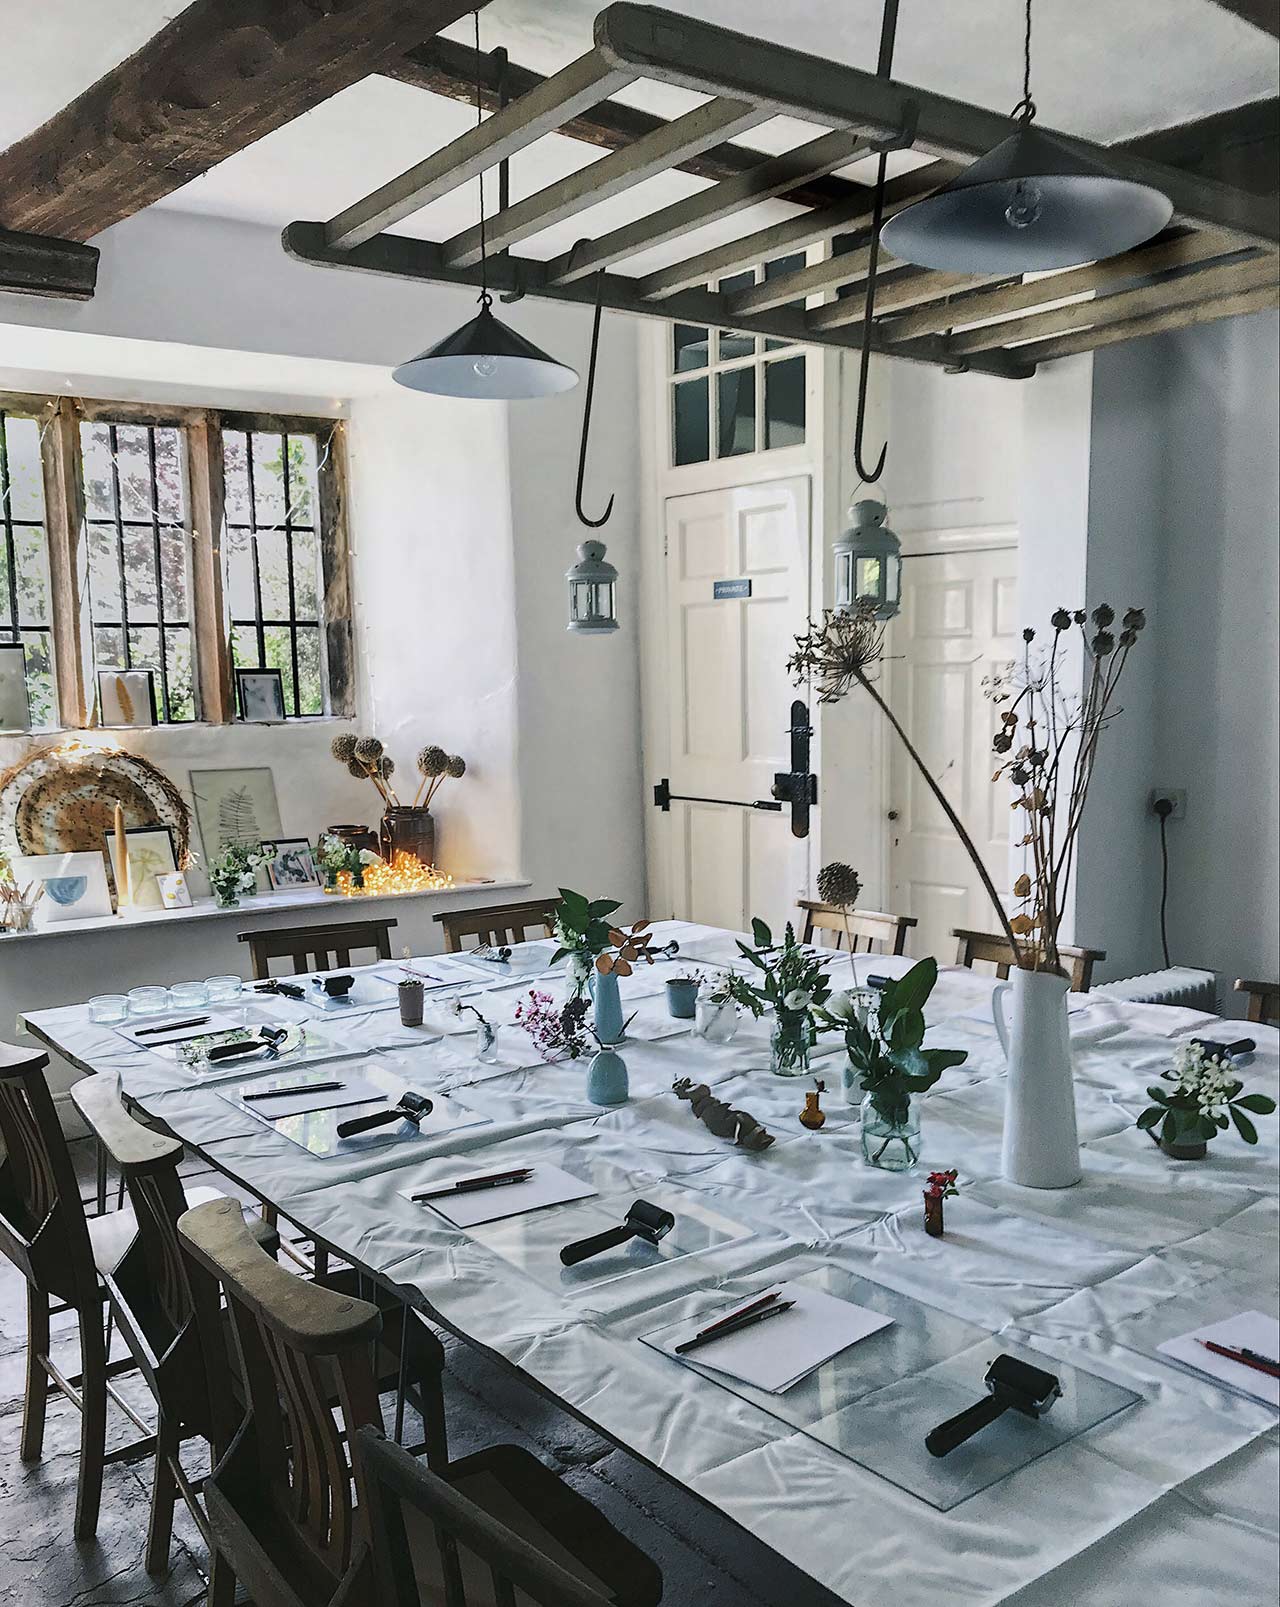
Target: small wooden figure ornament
point(736, 1125)
point(813, 1115)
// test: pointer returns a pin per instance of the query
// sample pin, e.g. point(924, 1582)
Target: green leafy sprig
point(788, 972)
point(1206, 1099)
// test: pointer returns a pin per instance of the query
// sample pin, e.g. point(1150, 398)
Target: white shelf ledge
point(252, 908)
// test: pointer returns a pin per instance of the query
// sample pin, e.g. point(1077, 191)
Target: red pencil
point(1246, 1358)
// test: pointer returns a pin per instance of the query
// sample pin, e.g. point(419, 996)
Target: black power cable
point(1164, 808)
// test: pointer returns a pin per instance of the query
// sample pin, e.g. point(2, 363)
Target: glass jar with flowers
point(233, 874)
point(1206, 1097)
point(338, 858)
point(717, 1015)
point(793, 983)
point(887, 1054)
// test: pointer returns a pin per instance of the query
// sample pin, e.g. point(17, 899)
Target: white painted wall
point(462, 528)
point(1217, 645)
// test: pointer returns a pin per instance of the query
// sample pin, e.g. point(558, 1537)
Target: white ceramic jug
point(1041, 1149)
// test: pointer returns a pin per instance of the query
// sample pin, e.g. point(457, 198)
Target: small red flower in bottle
point(940, 1186)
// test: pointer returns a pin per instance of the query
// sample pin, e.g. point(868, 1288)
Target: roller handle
point(956, 1430)
point(363, 1124)
point(585, 1248)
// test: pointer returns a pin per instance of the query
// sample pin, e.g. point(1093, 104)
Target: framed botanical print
point(151, 855)
point(127, 698)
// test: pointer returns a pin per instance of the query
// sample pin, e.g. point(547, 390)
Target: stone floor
point(706, 1560)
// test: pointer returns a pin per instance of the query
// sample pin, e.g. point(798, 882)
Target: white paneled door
point(737, 568)
point(957, 624)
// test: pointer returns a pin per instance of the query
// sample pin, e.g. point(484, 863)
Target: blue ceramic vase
point(608, 1007)
point(607, 1078)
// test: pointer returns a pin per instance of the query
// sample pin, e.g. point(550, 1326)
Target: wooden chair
point(498, 924)
point(62, 1254)
point(430, 1544)
point(287, 1507)
point(316, 948)
point(993, 948)
point(1264, 999)
point(867, 926)
point(151, 1304)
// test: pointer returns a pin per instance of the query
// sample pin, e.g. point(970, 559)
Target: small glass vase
point(890, 1134)
point(790, 1043)
point(487, 1049)
point(717, 1020)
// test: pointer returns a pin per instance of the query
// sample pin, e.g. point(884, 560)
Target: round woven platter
point(59, 801)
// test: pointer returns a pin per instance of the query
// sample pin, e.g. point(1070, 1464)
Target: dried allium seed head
point(433, 760)
point(369, 749)
point(343, 748)
point(355, 768)
point(387, 766)
point(457, 766)
point(839, 884)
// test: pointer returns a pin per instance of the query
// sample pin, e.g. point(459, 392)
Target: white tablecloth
point(1174, 1497)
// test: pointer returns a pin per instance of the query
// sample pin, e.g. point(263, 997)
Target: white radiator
point(1179, 984)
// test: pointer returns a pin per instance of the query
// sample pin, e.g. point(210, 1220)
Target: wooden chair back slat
point(317, 948)
point(470, 1542)
point(497, 924)
point(289, 1469)
point(1264, 999)
point(855, 927)
point(993, 949)
point(42, 1222)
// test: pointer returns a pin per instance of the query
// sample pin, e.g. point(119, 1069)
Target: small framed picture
point(75, 885)
point(261, 695)
point(151, 855)
point(15, 705)
point(292, 863)
point(175, 894)
point(127, 697)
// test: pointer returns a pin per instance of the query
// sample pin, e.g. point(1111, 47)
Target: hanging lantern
point(592, 600)
point(868, 562)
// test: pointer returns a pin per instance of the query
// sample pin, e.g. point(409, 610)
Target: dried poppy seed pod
point(839, 884)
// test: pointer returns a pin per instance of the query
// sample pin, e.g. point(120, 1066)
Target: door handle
point(663, 798)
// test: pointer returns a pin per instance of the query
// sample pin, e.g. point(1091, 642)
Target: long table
point(1175, 1495)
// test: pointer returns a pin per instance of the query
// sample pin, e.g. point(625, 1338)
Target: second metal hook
point(592, 524)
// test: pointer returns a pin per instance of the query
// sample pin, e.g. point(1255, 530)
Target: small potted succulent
point(1206, 1097)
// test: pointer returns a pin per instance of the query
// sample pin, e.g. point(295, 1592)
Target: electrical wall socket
point(1177, 797)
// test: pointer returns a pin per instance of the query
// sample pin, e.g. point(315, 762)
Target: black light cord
point(484, 298)
point(1164, 809)
point(1026, 107)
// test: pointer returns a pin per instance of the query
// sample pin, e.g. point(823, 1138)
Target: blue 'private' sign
point(730, 588)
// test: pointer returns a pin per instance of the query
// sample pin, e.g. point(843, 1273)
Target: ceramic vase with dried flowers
point(1046, 745)
point(405, 828)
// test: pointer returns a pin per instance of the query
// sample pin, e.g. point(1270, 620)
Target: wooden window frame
point(60, 418)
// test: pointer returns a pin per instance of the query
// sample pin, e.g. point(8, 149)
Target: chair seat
point(511, 1485)
point(111, 1235)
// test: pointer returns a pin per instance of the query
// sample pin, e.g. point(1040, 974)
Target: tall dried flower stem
point(945, 805)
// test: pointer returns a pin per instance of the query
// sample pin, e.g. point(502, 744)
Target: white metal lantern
point(868, 562)
point(592, 581)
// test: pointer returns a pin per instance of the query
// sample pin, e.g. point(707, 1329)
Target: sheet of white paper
point(154, 1034)
point(1250, 1330)
point(775, 1354)
point(354, 1091)
point(547, 1186)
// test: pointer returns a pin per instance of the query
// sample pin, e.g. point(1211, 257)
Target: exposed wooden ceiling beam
point(36, 265)
point(1207, 284)
point(1238, 146)
point(1264, 14)
point(447, 68)
point(220, 75)
point(1205, 312)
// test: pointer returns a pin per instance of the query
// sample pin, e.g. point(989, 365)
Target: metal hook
point(593, 524)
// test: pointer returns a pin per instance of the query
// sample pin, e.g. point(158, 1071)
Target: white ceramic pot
point(1041, 1149)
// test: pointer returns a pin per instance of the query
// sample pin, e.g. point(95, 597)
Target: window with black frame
point(272, 555)
point(138, 538)
point(25, 616)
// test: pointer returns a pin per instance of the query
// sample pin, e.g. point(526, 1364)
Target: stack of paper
point(1250, 1330)
point(778, 1353)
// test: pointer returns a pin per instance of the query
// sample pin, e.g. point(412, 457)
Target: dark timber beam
point(37, 265)
point(218, 77)
point(1240, 146)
